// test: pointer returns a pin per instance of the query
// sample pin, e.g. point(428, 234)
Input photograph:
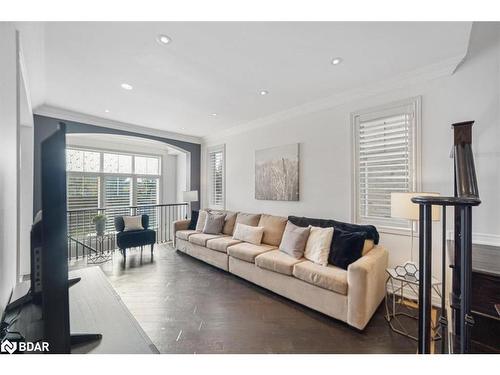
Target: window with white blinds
point(117, 198)
point(385, 160)
point(82, 193)
point(147, 195)
point(111, 180)
point(215, 171)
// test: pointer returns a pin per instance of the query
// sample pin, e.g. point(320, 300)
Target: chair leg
point(152, 247)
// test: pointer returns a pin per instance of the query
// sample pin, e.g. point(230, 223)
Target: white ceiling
point(221, 66)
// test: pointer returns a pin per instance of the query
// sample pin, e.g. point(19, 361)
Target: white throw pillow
point(202, 219)
point(248, 233)
point(318, 245)
point(133, 223)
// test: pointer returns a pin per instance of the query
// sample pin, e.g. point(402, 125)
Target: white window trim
point(210, 150)
point(416, 103)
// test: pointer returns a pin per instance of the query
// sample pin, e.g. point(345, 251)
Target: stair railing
point(466, 196)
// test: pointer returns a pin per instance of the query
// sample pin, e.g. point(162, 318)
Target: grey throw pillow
point(294, 240)
point(214, 223)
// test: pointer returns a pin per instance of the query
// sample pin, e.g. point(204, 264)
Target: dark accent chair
point(134, 238)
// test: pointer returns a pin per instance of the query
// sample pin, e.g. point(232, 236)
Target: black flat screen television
point(49, 321)
point(54, 252)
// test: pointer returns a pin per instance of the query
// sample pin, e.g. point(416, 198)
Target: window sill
point(397, 231)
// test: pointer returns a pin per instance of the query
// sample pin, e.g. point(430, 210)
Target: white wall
point(472, 92)
point(8, 161)
point(170, 179)
point(182, 176)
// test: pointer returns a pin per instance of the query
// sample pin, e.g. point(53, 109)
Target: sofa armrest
point(366, 279)
point(180, 225)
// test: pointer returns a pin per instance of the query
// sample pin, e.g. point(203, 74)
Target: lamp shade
point(190, 196)
point(402, 207)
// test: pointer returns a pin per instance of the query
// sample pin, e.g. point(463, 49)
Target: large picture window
point(111, 180)
point(385, 160)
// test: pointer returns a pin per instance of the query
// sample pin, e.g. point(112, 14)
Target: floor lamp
point(403, 208)
point(190, 196)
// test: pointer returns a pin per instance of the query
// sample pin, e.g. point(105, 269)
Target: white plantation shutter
point(147, 195)
point(385, 161)
point(82, 193)
point(117, 195)
point(216, 177)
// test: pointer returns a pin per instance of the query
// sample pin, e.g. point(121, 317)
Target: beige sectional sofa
point(351, 295)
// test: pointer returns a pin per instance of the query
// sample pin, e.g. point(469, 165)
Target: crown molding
point(68, 115)
point(427, 73)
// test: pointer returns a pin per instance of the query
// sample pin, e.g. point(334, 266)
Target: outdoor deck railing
point(82, 237)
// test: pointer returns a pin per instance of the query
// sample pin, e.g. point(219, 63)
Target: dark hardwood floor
point(187, 306)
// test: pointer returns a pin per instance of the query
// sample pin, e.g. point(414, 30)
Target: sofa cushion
point(202, 238)
point(247, 251)
point(229, 223)
point(248, 233)
point(294, 240)
point(371, 231)
point(247, 219)
point(347, 247)
point(329, 277)
point(318, 245)
point(184, 234)
point(214, 223)
point(222, 243)
point(274, 226)
point(202, 218)
point(277, 261)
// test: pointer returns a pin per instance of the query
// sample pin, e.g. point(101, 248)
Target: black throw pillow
point(370, 230)
point(194, 220)
point(346, 247)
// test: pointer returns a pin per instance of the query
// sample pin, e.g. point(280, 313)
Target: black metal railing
point(82, 236)
point(457, 338)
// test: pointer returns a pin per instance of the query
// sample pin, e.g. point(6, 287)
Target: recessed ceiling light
point(126, 86)
point(163, 39)
point(336, 60)
point(264, 92)
point(213, 114)
point(106, 110)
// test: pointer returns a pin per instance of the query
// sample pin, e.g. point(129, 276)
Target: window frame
point(213, 149)
point(133, 176)
point(393, 108)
